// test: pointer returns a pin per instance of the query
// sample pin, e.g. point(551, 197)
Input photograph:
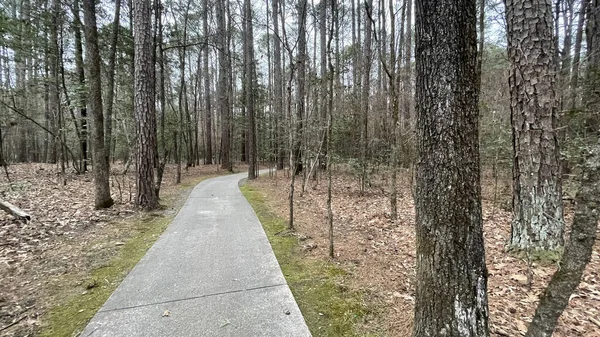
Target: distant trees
point(451, 274)
point(537, 191)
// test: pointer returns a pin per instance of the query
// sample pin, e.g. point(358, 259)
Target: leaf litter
point(49, 256)
point(380, 253)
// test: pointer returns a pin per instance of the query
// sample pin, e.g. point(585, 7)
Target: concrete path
point(211, 273)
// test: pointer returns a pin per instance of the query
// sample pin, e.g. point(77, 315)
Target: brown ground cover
point(380, 254)
point(46, 259)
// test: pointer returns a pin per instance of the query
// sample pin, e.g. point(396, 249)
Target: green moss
point(70, 317)
point(329, 308)
point(543, 257)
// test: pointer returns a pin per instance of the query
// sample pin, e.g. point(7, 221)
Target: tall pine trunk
point(144, 109)
point(537, 193)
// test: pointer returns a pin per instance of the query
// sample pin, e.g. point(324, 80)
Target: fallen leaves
point(65, 236)
point(380, 253)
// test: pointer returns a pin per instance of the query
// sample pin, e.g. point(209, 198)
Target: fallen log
point(14, 210)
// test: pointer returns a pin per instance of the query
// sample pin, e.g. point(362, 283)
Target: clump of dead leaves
point(380, 253)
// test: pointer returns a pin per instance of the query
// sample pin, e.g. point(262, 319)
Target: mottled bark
point(537, 193)
point(451, 274)
point(99, 157)
point(144, 109)
point(578, 250)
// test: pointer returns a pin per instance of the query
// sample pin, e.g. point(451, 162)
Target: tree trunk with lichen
point(451, 274)
point(537, 193)
point(578, 249)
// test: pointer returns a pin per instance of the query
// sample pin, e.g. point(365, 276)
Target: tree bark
point(144, 109)
point(577, 55)
point(100, 159)
point(110, 91)
point(250, 104)
point(301, 59)
point(578, 250)
point(208, 155)
point(451, 274)
point(537, 193)
point(79, 70)
point(278, 86)
point(366, 93)
point(224, 108)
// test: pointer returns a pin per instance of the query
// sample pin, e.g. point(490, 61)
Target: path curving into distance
point(213, 269)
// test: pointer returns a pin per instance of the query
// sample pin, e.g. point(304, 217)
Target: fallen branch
point(13, 323)
point(14, 210)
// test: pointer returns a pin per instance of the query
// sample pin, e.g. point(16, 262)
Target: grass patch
point(70, 317)
point(328, 307)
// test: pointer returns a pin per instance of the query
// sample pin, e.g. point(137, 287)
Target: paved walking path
point(211, 273)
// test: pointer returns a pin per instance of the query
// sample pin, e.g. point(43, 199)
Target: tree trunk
point(208, 155)
point(249, 66)
point(300, 85)
point(577, 55)
point(144, 109)
point(100, 159)
point(110, 91)
point(365, 94)
point(537, 193)
point(223, 48)
point(79, 70)
point(278, 86)
point(451, 275)
point(578, 250)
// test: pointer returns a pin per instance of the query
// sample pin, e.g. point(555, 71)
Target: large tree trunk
point(451, 275)
point(278, 87)
point(249, 66)
point(144, 108)
point(537, 194)
point(100, 159)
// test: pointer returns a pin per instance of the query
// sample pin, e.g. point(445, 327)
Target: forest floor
point(380, 254)
point(55, 257)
